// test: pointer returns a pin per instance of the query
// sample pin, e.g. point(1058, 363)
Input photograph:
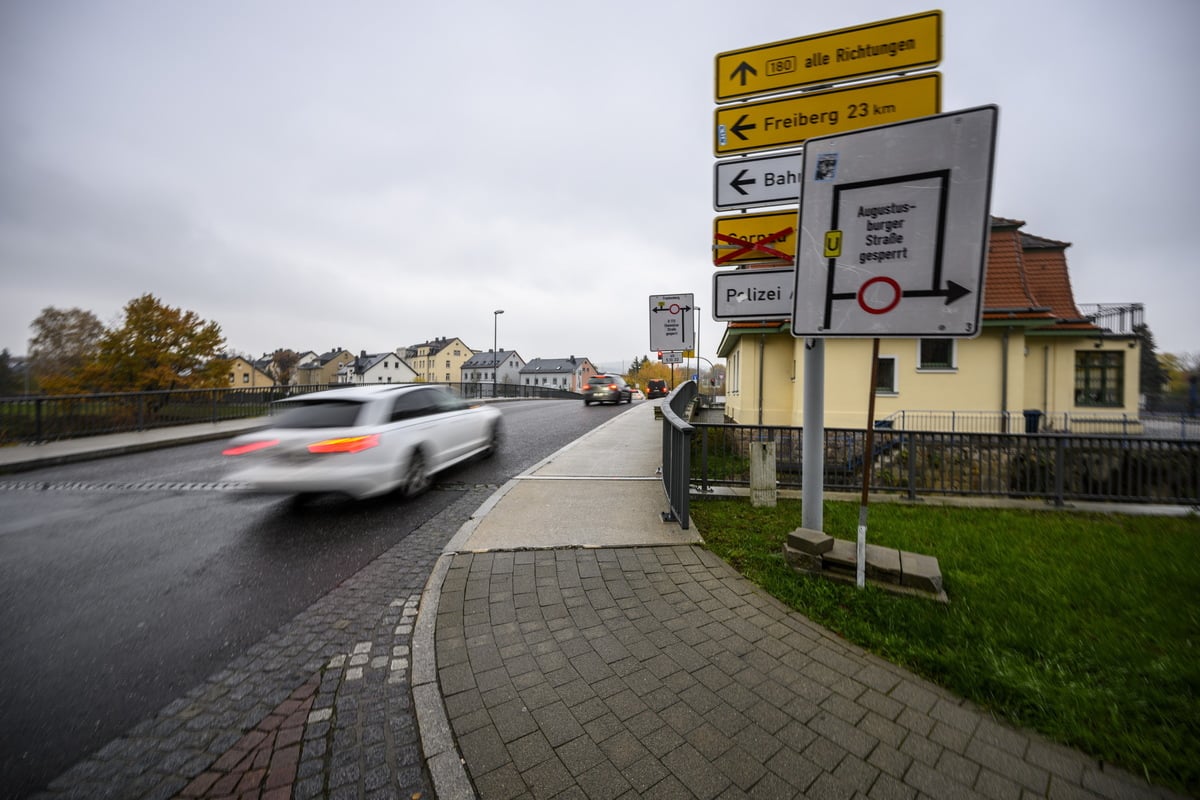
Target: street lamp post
point(495, 349)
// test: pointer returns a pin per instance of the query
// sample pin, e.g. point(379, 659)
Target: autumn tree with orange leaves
point(157, 347)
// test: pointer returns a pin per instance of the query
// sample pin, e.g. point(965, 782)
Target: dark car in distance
point(607, 389)
point(656, 388)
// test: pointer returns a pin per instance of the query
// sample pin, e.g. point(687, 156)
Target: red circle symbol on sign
point(895, 301)
point(674, 308)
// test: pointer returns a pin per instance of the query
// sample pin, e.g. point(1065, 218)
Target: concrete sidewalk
point(555, 638)
point(577, 646)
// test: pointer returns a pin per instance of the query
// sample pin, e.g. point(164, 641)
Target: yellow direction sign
point(790, 120)
point(755, 238)
point(887, 47)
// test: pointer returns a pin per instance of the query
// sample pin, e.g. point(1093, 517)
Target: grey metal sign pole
point(813, 447)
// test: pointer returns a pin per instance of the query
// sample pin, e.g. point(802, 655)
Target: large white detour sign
point(894, 229)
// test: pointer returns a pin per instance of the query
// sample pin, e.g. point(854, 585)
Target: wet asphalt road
point(124, 582)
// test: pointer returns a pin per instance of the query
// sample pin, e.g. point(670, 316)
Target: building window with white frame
point(885, 376)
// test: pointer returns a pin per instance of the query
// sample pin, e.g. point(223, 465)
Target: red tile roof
point(1028, 279)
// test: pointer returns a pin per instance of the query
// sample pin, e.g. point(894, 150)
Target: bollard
point(763, 493)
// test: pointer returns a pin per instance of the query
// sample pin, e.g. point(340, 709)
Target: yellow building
point(1037, 352)
point(438, 360)
point(322, 370)
point(244, 375)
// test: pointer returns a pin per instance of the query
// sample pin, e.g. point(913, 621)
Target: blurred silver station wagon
point(362, 441)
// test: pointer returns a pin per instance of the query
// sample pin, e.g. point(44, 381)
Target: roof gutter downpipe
point(762, 343)
point(1004, 381)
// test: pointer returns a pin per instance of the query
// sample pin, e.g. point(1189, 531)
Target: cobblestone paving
point(660, 672)
point(343, 664)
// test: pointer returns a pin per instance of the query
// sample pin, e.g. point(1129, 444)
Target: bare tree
point(283, 365)
point(64, 342)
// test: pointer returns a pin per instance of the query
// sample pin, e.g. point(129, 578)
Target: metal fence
point(1055, 467)
point(26, 420)
point(1036, 421)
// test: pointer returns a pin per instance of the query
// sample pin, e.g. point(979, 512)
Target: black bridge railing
point(41, 418)
point(1053, 467)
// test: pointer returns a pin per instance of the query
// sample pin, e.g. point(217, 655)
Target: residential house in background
point(569, 374)
point(376, 368)
point(303, 360)
point(500, 366)
point(247, 374)
point(437, 360)
point(1037, 353)
point(323, 370)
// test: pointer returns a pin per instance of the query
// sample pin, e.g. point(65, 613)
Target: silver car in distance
point(362, 441)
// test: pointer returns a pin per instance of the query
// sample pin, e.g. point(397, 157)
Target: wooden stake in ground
point(868, 458)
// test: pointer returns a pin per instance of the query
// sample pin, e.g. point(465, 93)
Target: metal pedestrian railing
point(1055, 467)
point(676, 451)
point(45, 418)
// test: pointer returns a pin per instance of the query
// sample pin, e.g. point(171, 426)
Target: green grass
point(1085, 627)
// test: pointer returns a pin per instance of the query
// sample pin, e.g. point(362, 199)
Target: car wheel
point(587, 402)
point(494, 438)
point(416, 478)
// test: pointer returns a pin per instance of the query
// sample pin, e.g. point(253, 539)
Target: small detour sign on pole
point(671, 322)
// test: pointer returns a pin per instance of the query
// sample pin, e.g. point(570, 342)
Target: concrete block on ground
point(806, 540)
point(920, 572)
point(842, 557)
point(883, 564)
point(801, 561)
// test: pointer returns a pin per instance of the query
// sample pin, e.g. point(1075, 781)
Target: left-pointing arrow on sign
point(740, 181)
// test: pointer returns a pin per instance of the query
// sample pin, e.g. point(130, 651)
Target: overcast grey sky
point(370, 174)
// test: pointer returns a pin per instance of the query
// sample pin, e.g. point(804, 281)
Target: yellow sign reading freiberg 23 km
point(879, 48)
point(791, 119)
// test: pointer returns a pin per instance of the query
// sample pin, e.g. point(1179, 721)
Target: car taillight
point(612, 386)
point(348, 444)
point(249, 447)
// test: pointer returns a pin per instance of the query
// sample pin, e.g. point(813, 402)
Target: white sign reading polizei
point(671, 322)
point(753, 293)
point(894, 229)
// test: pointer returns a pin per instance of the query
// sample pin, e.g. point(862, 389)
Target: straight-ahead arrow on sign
point(887, 47)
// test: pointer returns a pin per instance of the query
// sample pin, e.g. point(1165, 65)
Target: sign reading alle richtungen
point(880, 48)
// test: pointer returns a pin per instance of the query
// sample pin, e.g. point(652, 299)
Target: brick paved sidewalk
point(660, 672)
